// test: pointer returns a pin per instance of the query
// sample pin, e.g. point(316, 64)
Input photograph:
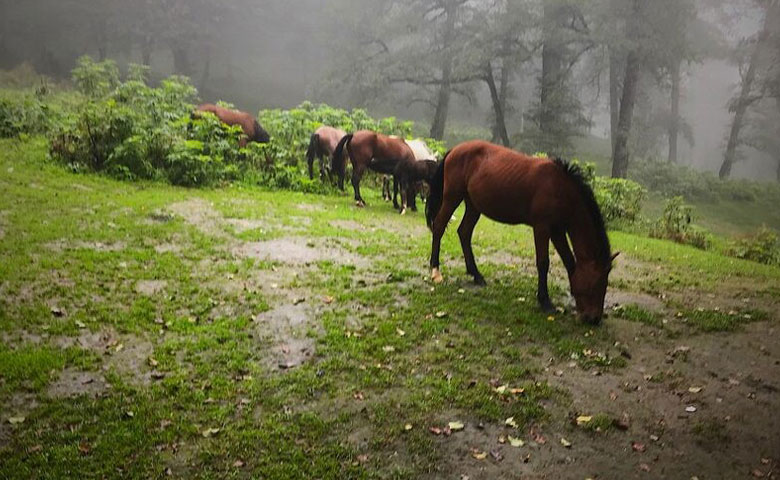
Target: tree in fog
point(756, 81)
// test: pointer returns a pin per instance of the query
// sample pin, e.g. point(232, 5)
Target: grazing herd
point(550, 195)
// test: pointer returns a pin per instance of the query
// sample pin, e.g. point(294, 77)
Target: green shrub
point(674, 180)
point(677, 224)
point(620, 200)
point(763, 247)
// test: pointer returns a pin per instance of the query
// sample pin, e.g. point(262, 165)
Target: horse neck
point(584, 235)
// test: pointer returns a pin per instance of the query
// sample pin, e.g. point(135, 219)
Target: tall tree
point(749, 94)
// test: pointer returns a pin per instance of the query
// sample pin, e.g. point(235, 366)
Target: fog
point(553, 64)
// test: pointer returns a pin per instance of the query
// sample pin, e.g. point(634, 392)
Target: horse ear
point(614, 256)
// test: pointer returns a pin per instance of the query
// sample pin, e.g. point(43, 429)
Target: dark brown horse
point(322, 144)
point(367, 149)
point(549, 195)
point(409, 175)
point(253, 132)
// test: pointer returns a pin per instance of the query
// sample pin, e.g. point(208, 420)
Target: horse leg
point(357, 174)
point(448, 207)
point(542, 242)
point(411, 194)
point(395, 191)
point(562, 246)
point(465, 232)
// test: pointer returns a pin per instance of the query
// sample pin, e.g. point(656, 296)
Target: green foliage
point(95, 79)
point(673, 180)
point(677, 224)
point(762, 246)
point(619, 199)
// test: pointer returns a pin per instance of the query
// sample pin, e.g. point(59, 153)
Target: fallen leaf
point(690, 409)
point(501, 439)
point(638, 447)
point(565, 443)
point(210, 432)
point(435, 430)
point(515, 442)
point(400, 332)
point(502, 389)
point(35, 448)
point(456, 426)
point(408, 427)
point(85, 448)
point(362, 458)
point(441, 314)
point(583, 419)
point(238, 464)
point(388, 348)
point(695, 389)
point(152, 362)
point(130, 414)
point(298, 301)
point(81, 324)
point(517, 391)
point(327, 300)
point(479, 455)
point(358, 396)
point(511, 422)
point(16, 420)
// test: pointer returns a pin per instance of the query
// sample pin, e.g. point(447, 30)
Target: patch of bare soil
point(73, 383)
point(127, 354)
point(241, 225)
point(286, 327)
point(18, 405)
point(295, 250)
point(704, 407)
point(617, 298)
point(63, 245)
point(200, 214)
point(150, 288)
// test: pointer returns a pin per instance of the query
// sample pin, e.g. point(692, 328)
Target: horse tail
point(311, 152)
point(436, 195)
point(338, 163)
point(261, 136)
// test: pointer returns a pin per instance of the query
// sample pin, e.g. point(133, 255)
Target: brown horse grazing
point(322, 144)
point(367, 149)
point(549, 195)
point(253, 132)
point(409, 174)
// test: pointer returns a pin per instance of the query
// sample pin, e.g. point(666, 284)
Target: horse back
point(505, 185)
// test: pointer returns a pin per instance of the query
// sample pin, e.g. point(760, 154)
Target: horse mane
point(574, 172)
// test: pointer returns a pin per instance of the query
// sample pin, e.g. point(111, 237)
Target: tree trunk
point(614, 95)
point(630, 88)
point(181, 60)
point(674, 124)
point(498, 109)
point(146, 51)
point(552, 65)
point(740, 109)
point(445, 88)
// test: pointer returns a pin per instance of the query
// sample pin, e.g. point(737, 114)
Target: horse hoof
point(549, 309)
point(480, 281)
point(403, 211)
point(436, 276)
point(360, 204)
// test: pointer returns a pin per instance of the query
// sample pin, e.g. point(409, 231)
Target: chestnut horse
point(369, 150)
point(551, 196)
point(253, 132)
point(322, 144)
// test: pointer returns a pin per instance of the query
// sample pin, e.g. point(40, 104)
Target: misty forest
point(461, 239)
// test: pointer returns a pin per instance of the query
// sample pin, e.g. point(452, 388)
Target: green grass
point(83, 244)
